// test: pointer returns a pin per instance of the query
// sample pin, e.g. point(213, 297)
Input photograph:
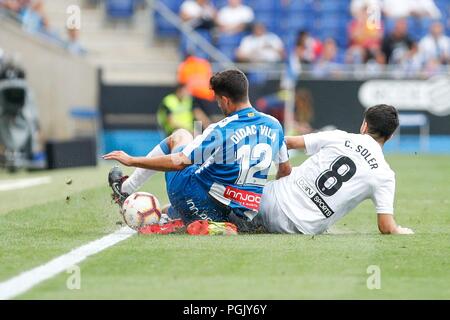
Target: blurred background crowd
point(139, 69)
point(33, 17)
point(322, 37)
point(325, 37)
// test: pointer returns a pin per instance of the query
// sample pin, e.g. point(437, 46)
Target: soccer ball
point(141, 209)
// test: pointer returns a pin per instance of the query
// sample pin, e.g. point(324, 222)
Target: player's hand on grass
point(120, 156)
point(401, 230)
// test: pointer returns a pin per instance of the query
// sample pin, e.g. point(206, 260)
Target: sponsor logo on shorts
point(315, 198)
point(247, 199)
point(195, 211)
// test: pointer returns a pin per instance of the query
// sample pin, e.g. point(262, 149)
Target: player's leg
point(123, 186)
point(270, 218)
point(179, 138)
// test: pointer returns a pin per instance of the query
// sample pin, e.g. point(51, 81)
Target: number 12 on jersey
point(248, 155)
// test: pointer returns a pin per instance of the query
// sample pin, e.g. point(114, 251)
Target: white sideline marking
point(7, 185)
point(28, 279)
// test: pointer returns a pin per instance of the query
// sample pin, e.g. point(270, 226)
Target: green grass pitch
point(41, 223)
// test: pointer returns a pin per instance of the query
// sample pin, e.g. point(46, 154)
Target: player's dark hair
point(382, 121)
point(232, 84)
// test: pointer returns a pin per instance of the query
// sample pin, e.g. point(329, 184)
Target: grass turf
point(37, 224)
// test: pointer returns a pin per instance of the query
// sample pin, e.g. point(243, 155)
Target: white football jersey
point(344, 169)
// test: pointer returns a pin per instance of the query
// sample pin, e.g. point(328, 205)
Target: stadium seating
point(227, 44)
point(122, 9)
point(323, 19)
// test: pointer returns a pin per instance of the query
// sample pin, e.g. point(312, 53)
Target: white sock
point(139, 176)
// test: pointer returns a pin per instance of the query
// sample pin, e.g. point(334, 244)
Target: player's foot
point(204, 228)
point(171, 226)
point(116, 179)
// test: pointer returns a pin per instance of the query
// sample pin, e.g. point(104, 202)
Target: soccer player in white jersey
point(343, 170)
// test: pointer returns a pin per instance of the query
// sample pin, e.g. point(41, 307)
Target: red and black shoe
point(210, 228)
point(115, 180)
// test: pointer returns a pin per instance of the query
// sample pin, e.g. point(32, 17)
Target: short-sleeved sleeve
point(383, 196)
point(283, 154)
point(316, 141)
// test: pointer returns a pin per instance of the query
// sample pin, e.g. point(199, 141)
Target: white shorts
point(270, 216)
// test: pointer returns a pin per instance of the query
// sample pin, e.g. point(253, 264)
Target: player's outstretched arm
point(170, 162)
point(387, 225)
point(295, 142)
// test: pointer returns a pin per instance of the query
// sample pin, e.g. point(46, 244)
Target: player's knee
point(180, 137)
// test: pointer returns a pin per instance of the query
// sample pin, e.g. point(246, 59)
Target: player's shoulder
point(334, 134)
point(269, 119)
point(225, 122)
point(339, 133)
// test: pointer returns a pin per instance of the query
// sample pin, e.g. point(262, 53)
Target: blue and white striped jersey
point(234, 157)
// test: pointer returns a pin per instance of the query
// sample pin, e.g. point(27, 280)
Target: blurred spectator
point(435, 46)
point(307, 50)
point(260, 46)
point(397, 44)
point(235, 17)
point(327, 64)
point(411, 62)
point(195, 72)
point(407, 8)
point(200, 14)
point(363, 32)
point(374, 62)
point(73, 42)
point(357, 5)
point(34, 18)
point(17, 6)
point(304, 112)
point(274, 105)
point(175, 111)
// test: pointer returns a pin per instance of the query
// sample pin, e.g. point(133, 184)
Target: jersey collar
point(247, 110)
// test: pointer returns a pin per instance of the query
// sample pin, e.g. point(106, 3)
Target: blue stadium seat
point(120, 8)
point(334, 6)
point(333, 21)
point(266, 5)
point(230, 40)
point(227, 44)
point(163, 27)
point(229, 51)
point(388, 24)
point(174, 5)
point(298, 22)
point(187, 47)
point(289, 39)
point(269, 18)
point(418, 28)
point(340, 58)
point(220, 3)
point(442, 4)
point(299, 5)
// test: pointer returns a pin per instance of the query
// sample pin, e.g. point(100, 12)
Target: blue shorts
point(189, 200)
